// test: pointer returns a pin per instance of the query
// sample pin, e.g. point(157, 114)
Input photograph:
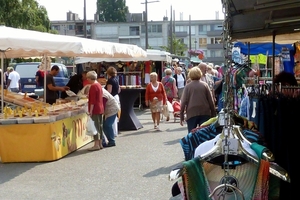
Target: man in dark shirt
point(52, 89)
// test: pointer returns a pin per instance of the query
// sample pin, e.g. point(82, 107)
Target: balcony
point(214, 33)
point(214, 46)
point(181, 34)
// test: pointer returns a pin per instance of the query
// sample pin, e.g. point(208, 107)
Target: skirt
point(156, 106)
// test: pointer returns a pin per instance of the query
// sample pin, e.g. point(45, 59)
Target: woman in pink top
point(95, 108)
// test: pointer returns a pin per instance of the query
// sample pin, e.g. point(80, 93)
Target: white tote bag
point(90, 127)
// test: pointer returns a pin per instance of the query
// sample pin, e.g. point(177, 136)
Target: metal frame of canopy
point(25, 43)
point(255, 21)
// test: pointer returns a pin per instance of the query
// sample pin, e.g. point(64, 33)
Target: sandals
point(94, 148)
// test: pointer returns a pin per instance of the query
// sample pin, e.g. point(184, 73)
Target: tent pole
point(2, 82)
point(273, 63)
point(249, 51)
point(45, 77)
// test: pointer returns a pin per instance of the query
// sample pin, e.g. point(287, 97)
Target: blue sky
point(198, 9)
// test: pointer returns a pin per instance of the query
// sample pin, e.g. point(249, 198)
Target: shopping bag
point(90, 127)
point(165, 111)
point(170, 107)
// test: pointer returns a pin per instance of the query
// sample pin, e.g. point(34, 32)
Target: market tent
point(154, 55)
point(16, 43)
point(262, 48)
point(158, 55)
point(25, 43)
point(257, 21)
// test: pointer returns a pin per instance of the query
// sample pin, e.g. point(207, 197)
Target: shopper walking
point(196, 102)
point(155, 98)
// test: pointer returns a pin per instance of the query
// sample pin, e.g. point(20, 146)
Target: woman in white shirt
point(180, 81)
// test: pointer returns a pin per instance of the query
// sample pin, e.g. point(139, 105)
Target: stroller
point(176, 108)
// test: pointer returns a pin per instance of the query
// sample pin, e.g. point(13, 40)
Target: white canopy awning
point(26, 43)
point(154, 55)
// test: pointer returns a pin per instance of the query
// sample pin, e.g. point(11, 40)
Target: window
point(152, 28)
point(216, 27)
point(193, 30)
point(159, 28)
point(134, 30)
point(215, 40)
point(56, 27)
point(203, 41)
point(202, 28)
point(71, 27)
point(181, 28)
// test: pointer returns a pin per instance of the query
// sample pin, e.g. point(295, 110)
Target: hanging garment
point(200, 178)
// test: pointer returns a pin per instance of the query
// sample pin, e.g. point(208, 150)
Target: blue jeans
point(193, 122)
point(108, 128)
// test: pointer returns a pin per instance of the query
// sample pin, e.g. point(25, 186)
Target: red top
point(85, 82)
point(160, 93)
point(96, 98)
point(147, 67)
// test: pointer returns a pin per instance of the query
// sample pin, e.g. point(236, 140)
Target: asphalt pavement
point(137, 168)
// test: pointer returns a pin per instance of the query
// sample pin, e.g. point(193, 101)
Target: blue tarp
point(262, 48)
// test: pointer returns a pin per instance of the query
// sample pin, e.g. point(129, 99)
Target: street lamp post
point(195, 44)
point(146, 21)
point(85, 23)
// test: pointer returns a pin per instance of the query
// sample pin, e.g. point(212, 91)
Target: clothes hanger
point(224, 188)
point(216, 156)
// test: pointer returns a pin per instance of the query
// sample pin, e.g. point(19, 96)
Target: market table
point(128, 119)
point(39, 142)
point(33, 131)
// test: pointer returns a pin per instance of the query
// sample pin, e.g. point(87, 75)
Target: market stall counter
point(38, 132)
point(128, 119)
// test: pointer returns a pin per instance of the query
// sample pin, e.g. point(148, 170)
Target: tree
point(112, 10)
point(178, 46)
point(25, 14)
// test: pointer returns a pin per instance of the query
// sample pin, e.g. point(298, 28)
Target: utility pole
point(190, 34)
point(146, 21)
point(171, 31)
point(84, 16)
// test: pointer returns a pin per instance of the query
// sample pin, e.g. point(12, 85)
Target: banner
point(43, 142)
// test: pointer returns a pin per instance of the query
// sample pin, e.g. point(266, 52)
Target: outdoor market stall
point(276, 22)
point(34, 131)
point(131, 89)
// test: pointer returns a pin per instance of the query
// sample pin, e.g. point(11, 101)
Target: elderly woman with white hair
point(180, 81)
point(95, 108)
point(169, 84)
point(155, 98)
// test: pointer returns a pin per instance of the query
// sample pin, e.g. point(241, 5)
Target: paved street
point(137, 168)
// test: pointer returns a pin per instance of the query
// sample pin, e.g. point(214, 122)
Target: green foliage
point(178, 46)
point(112, 10)
point(25, 14)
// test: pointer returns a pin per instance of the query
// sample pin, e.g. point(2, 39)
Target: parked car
point(27, 71)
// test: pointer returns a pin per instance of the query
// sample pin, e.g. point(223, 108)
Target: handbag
point(90, 127)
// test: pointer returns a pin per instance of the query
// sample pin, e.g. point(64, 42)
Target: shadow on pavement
point(9, 171)
point(161, 170)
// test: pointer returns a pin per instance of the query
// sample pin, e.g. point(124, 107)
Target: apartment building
point(203, 34)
